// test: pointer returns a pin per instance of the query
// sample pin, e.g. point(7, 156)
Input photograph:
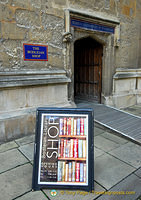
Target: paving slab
point(130, 153)
point(15, 182)
point(25, 140)
point(98, 131)
point(7, 146)
point(109, 170)
point(114, 138)
point(11, 159)
point(28, 151)
point(104, 144)
point(97, 152)
point(35, 195)
point(138, 172)
point(129, 189)
point(75, 194)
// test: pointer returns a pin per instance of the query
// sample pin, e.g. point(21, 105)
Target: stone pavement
point(117, 169)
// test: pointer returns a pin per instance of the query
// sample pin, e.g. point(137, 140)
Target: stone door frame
point(108, 40)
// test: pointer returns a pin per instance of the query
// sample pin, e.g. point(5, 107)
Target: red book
point(69, 126)
point(77, 174)
point(75, 148)
point(65, 126)
point(62, 148)
point(82, 126)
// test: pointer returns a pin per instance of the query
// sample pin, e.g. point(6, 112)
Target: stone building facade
point(94, 52)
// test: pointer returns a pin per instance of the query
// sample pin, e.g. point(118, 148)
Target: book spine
point(80, 149)
point(77, 175)
point(67, 172)
point(69, 126)
point(59, 148)
point(64, 150)
point(81, 172)
point(68, 149)
point(72, 126)
point(85, 170)
point(65, 126)
point(59, 171)
point(84, 148)
point(62, 147)
point(71, 148)
point(82, 126)
point(61, 126)
point(85, 127)
point(70, 171)
point(63, 171)
point(78, 126)
point(75, 148)
point(73, 171)
point(75, 126)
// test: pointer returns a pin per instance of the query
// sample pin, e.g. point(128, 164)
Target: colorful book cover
point(81, 172)
point(82, 126)
point(60, 170)
point(75, 126)
point(73, 171)
point(72, 126)
point(80, 149)
point(75, 148)
point(77, 175)
point(61, 126)
point(78, 126)
point(70, 171)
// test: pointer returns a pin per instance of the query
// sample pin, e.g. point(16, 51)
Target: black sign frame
point(83, 169)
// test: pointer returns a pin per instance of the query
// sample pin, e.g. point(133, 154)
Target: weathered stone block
point(5, 13)
point(12, 99)
point(11, 31)
point(28, 19)
point(56, 61)
point(55, 25)
point(125, 85)
point(40, 35)
point(21, 4)
point(3, 1)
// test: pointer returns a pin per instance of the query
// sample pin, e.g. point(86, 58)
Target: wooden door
point(88, 69)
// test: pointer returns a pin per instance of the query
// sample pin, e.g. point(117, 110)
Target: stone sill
point(127, 73)
point(32, 78)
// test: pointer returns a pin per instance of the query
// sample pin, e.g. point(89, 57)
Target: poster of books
point(63, 152)
point(63, 149)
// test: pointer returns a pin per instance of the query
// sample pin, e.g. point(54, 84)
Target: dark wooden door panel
point(87, 69)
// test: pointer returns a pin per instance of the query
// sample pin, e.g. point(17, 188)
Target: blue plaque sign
point(91, 26)
point(34, 52)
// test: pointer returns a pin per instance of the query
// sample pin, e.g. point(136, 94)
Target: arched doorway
point(88, 69)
